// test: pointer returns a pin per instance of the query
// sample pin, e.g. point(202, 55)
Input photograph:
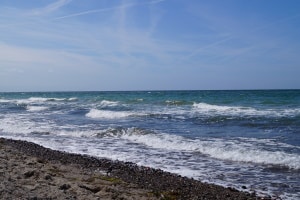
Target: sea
point(245, 139)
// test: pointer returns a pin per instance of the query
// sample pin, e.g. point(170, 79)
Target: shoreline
point(30, 171)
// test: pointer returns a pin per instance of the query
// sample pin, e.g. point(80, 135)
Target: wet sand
point(30, 171)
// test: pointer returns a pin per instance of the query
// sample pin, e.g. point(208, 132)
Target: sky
point(104, 45)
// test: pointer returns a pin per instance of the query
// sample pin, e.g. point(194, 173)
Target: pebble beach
point(30, 171)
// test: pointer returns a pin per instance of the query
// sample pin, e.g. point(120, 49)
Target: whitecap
point(33, 100)
point(4, 101)
point(209, 109)
point(36, 108)
point(72, 99)
point(106, 114)
point(106, 103)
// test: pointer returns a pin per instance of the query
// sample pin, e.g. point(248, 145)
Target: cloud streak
point(140, 39)
point(122, 6)
point(50, 8)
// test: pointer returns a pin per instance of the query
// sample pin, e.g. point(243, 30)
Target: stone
point(29, 174)
point(65, 187)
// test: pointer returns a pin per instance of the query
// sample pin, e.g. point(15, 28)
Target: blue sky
point(62, 45)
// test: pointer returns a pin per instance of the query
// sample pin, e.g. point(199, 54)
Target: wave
point(19, 124)
point(4, 101)
point(106, 103)
point(106, 114)
point(175, 102)
point(230, 150)
point(36, 108)
point(41, 100)
point(120, 132)
point(209, 109)
point(72, 99)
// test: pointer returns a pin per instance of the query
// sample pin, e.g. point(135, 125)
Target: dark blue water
point(231, 138)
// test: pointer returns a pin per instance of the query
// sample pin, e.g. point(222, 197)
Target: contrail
point(195, 52)
point(107, 9)
point(275, 22)
point(51, 7)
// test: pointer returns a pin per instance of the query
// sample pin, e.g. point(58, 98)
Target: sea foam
point(42, 100)
point(231, 150)
point(36, 108)
point(107, 114)
point(209, 109)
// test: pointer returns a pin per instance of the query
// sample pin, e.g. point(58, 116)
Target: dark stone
point(233, 189)
point(92, 189)
point(29, 174)
point(48, 177)
point(109, 170)
point(64, 187)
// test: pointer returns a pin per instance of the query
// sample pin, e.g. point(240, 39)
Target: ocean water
point(231, 138)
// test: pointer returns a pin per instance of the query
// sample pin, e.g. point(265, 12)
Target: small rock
point(232, 189)
point(29, 174)
point(48, 177)
point(64, 187)
point(90, 188)
point(109, 170)
point(33, 198)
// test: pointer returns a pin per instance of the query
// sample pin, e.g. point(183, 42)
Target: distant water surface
point(231, 138)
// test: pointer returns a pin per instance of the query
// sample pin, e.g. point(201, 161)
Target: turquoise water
point(231, 138)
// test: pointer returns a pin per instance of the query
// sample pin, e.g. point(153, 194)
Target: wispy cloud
point(122, 6)
point(138, 39)
point(231, 37)
point(50, 8)
point(204, 47)
point(273, 23)
point(106, 45)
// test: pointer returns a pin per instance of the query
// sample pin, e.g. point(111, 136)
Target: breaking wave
point(41, 100)
point(107, 114)
point(209, 109)
point(230, 150)
point(36, 108)
point(106, 103)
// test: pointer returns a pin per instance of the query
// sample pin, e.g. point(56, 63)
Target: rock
point(29, 174)
point(48, 177)
point(233, 189)
point(90, 188)
point(65, 187)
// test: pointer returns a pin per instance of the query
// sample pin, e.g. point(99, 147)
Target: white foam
point(232, 150)
point(42, 100)
point(106, 103)
point(4, 101)
point(20, 124)
point(106, 114)
point(36, 108)
point(208, 109)
point(72, 99)
point(75, 133)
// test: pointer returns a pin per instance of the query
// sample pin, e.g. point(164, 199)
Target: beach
point(243, 140)
point(30, 171)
